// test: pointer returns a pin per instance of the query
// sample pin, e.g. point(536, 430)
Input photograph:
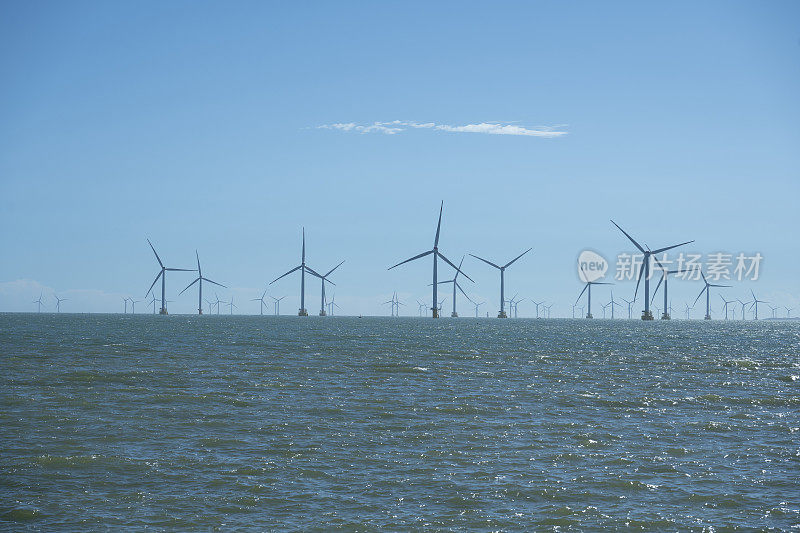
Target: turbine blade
point(292, 270)
point(656, 291)
point(520, 255)
point(671, 247)
point(454, 266)
point(189, 285)
point(215, 283)
point(629, 237)
point(181, 269)
point(154, 282)
point(462, 292)
point(485, 261)
point(313, 272)
point(459, 268)
point(581, 294)
point(198, 263)
point(334, 268)
point(154, 251)
point(438, 226)
point(641, 271)
point(699, 295)
point(423, 254)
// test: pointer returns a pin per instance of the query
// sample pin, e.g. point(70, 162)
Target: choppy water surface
point(280, 422)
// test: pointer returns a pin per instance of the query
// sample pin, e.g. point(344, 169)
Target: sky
point(228, 127)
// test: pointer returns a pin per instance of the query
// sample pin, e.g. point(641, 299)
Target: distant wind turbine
point(725, 305)
point(589, 296)
point(277, 304)
point(262, 302)
point(755, 303)
point(324, 278)
point(58, 303)
point(163, 275)
point(436, 254)
point(537, 304)
point(707, 290)
point(153, 302)
point(665, 280)
point(303, 268)
point(133, 305)
point(645, 270)
point(125, 299)
point(788, 311)
point(232, 305)
point(456, 285)
point(628, 303)
point(200, 279)
point(39, 303)
point(502, 269)
point(477, 305)
point(612, 303)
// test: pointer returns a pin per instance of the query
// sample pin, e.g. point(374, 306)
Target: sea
point(217, 423)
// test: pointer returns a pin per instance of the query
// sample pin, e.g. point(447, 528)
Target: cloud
point(490, 128)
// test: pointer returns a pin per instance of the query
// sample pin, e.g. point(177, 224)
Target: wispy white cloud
point(491, 128)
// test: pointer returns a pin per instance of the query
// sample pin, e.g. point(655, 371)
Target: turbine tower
point(261, 306)
point(303, 268)
point(200, 279)
point(589, 296)
point(436, 254)
point(707, 290)
point(645, 269)
point(163, 275)
point(324, 279)
point(502, 269)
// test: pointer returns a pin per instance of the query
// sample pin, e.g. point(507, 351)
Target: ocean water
point(248, 422)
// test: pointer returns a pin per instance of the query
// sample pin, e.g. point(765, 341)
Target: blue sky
point(197, 125)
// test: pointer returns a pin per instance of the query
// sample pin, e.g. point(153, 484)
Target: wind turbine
point(456, 285)
point(261, 306)
point(39, 303)
point(200, 279)
point(613, 302)
point(537, 304)
point(303, 268)
point(773, 309)
point(232, 305)
point(645, 269)
point(391, 312)
point(502, 269)
point(707, 290)
point(688, 309)
point(604, 308)
point(133, 305)
point(788, 311)
point(573, 310)
point(589, 296)
point(163, 275)
point(124, 299)
point(58, 303)
point(436, 254)
point(324, 279)
point(755, 303)
point(476, 307)
point(629, 303)
point(277, 304)
point(744, 305)
point(218, 301)
point(725, 305)
point(548, 307)
point(153, 302)
point(333, 304)
point(665, 279)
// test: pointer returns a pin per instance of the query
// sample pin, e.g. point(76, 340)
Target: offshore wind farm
point(597, 329)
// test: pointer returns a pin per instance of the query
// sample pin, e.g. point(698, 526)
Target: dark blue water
point(342, 423)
